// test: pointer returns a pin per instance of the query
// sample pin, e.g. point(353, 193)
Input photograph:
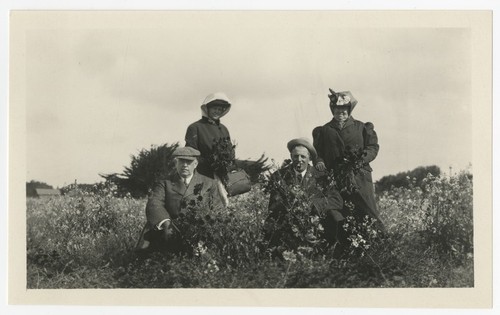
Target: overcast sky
point(97, 93)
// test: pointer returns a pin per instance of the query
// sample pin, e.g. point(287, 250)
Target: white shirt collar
point(187, 180)
point(303, 172)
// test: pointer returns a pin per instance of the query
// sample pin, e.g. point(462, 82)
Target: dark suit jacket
point(171, 196)
point(327, 202)
point(322, 200)
point(168, 199)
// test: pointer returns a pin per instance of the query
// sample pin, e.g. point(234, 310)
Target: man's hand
point(167, 230)
point(320, 166)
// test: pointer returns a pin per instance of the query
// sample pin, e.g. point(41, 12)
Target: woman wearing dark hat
point(204, 133)
point(344, 132)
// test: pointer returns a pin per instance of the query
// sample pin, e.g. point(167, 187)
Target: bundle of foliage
point(401, 179)
point(347, 168)
point(296, 227)
point(254, 168)
point(222, 160)
point(217, 235)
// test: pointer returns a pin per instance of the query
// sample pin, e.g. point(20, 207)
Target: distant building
point(46, 192)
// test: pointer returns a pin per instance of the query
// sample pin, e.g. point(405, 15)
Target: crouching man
point(171, 197)
point(301, 176)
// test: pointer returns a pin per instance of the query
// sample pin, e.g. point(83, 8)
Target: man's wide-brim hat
point(305, 143)
point(186, 153)
point(343, 98)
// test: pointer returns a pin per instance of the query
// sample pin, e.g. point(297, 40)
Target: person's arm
point(370, 142)
point(328, 199)
point(219, 194)
point(226, 132)
point(192, 137)
point(156, 213)
point(317, 140)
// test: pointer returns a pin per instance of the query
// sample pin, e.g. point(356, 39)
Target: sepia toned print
point(406, 167)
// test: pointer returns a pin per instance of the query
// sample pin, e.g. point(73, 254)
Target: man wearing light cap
point(171, 196)
point(301, 174)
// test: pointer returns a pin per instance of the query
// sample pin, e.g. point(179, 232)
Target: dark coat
point(323, 201)
point(170, 197)
point(330, 142)
point(201, 135)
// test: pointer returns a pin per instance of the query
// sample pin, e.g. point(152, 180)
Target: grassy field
point(87, 240)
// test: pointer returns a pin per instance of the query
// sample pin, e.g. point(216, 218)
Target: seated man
point(174, 195)
point(300, 178)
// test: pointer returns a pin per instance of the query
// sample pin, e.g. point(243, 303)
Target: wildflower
point(200, 249)
point(289, 256)
point(320, 227)
point(314, 219)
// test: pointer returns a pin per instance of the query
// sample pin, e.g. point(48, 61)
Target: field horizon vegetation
point(86, 237)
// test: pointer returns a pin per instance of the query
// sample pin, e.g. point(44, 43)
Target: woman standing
point(333, 140)
point(203, 134)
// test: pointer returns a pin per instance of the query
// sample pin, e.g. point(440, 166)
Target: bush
point(146, 168)
point(439, 215)
point(224, 236)
point(89, 229)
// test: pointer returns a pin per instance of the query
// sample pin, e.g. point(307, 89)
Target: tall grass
point(86, 240)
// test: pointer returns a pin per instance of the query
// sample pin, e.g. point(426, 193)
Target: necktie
point(299, 177)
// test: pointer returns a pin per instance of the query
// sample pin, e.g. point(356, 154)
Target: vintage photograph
point(251, 149)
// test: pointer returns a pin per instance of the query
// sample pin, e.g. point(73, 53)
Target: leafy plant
point(218, 233)
point(254, 168)
point(347, 168)
point(294, 224)
point(222, 158)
